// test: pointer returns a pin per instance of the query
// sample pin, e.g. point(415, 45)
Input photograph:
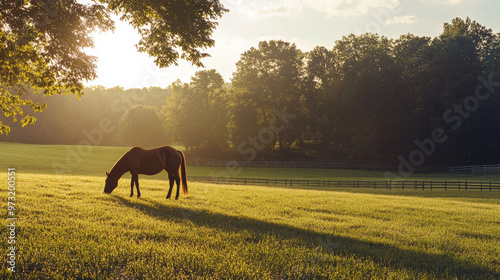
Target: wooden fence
point(476, 169)
point(390, 185)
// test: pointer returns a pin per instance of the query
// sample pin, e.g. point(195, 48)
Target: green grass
point(95, 161)
point(336, 174)
point(69, 229)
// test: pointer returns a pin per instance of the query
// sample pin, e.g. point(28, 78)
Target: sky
point(306, 23)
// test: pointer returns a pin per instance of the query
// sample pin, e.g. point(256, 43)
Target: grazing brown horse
point(150, 162)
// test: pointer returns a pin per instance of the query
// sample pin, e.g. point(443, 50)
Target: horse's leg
point(178, 182)
point(171, 179)
point(137, 185)
point(132, 186)
point(135, 179)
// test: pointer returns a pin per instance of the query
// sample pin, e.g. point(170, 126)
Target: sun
point(119, 62)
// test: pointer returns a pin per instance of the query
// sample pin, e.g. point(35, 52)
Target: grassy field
point(69, 229)
point(71, 160)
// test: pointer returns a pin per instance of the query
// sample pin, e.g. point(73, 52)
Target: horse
point(149, 162)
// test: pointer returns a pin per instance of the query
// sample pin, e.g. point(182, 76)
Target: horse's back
point(172, 157)
point(135, 150)
point(161, 148)
point(167, 149)
point(153, 160)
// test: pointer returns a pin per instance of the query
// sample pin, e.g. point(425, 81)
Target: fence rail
point(390, 185)
point(340, 164)
point(476, 169)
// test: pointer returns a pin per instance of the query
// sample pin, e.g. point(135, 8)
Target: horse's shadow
point(384, 254)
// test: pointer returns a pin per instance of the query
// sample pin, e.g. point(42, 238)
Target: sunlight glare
point(118, 59)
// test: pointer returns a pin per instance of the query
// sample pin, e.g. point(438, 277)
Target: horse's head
point(110, 185)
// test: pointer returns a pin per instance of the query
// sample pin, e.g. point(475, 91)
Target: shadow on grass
point(440, 266)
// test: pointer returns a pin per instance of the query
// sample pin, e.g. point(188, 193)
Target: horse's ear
point(107, 173)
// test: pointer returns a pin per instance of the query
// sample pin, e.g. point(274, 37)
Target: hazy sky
point(307, 23)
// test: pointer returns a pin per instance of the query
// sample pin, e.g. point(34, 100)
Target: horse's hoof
point(168, 197)
point(176, 198)
point(131, 195)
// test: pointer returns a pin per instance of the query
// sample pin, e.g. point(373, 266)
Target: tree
point(197, 114)
point(459, 55)
point(42, 42)
point(412, 55)
point(141, 126)
point(368, 101)
point(319, 109)
point(267, 79)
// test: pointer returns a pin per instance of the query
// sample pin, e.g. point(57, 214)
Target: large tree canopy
point(420, 100)
point(196, 113)
point(140, 126)
point(267, 80)
point(42, 42)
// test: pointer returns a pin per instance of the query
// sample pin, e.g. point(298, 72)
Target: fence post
point(445, 186)
point(423, 185)
point(403, 186)
point(390, 185)
point(465, 184)
point(431, 185)
point(415, 185)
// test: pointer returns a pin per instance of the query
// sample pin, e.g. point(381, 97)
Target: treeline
point(426, 100)
point(97, 117)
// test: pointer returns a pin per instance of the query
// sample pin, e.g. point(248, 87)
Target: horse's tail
point(183, 174)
